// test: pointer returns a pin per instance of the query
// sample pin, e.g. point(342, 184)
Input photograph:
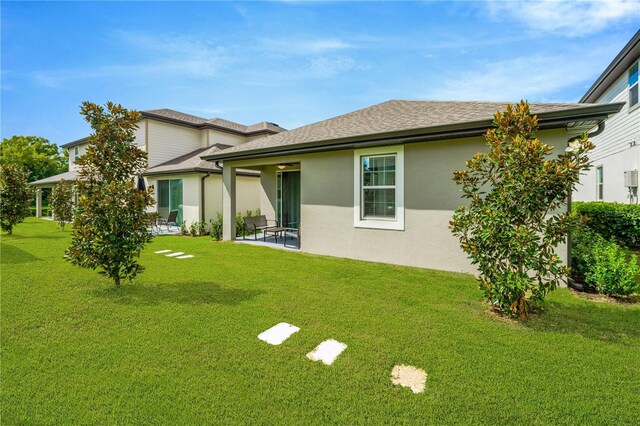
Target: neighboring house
point(376, 184)
point(616, 158)
point(181, 181)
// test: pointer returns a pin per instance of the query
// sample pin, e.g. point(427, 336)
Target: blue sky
point(294, 63)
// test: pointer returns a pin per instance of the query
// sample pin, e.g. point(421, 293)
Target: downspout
point(202, 195)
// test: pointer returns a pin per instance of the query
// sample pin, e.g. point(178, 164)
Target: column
point(228, 203)
point(38, 202)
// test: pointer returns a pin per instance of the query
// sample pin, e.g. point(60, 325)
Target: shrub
point(515, 218)
point(620, 222)
point(111, 220)
point(62, 202)
point(198, 229)
point(603, 265)
point(216, 227)
point(15, 195)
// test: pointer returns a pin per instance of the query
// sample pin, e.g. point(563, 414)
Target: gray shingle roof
point(52, 180)
point(263, 126)
point(192, 162)
point(389, 117)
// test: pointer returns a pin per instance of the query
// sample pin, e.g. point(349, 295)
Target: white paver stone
point(178, 253)
point(163, 251)
point(327, 351)
point(278, 333)
point(186, 256)
point(409, 376)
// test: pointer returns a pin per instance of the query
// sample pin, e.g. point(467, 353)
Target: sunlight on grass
point(180, 344)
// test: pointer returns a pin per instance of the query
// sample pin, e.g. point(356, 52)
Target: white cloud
point(567, 17)
point(163, 55)
point(325, 66)
point(305, 47)
point(535, 78)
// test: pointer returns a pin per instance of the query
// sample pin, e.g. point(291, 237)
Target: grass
point(179, 345)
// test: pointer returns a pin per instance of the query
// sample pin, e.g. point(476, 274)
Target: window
point(633, 85)
point(76, 152)
point(599, 183)
point(378, 189)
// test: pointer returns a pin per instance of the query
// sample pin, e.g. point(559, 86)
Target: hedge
point(614, 221)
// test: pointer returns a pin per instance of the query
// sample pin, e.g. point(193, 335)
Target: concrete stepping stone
point(187, 256)
point(162, 251)
point(278, 333)
point(409, 376)
point(327, 351)
point(178, 253)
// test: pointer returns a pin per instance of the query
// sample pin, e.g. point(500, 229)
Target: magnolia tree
point(516, 215)
point(15, 196)
point(110, 222)
point(61, 202)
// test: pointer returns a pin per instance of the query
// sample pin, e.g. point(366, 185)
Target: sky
point(294, 62)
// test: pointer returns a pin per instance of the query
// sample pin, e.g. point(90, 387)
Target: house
point(616, 158)
point(376, 184)
point(174, 142)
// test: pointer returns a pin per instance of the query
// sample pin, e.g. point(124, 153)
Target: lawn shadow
point(10, 255)
point(604, 322)
point(188, 293)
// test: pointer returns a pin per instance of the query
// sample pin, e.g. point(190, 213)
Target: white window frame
point(630, 87)
point(76, 152)
point(359, 221)
point(599, 183)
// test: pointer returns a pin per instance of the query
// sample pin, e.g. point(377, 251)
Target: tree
point(61, 202)
point(110, 222)
point(15, 195)
point(41, 157)
point(516, 217)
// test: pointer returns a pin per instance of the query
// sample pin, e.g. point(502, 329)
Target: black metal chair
point(170, 221)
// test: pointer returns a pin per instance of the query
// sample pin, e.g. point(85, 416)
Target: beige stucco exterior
point(430, 197)
point(248, 197)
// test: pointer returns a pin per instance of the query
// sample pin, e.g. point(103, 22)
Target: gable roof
point(623, 60)
point(182, 119)
point(404, 121)
point(192, 162)
point(178, 117)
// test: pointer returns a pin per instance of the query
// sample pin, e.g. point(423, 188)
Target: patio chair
point(170, 221)
point(257, 223)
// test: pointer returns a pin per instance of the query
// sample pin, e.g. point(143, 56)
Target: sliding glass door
point(288, 198)
point(170, 198)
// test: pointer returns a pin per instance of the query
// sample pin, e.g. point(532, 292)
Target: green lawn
point(179, 346)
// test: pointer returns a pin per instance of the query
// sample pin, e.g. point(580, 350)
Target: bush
point(216, 227)
point(620, 222)
point(198, 229)
point(506, 228)
point(603, 265)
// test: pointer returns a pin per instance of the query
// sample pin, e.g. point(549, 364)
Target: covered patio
point(279, 204)
point(47, 185)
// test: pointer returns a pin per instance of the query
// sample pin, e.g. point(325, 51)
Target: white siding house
point(616, 158)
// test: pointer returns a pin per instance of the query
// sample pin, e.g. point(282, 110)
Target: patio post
point(228, 203)
point(38, 202)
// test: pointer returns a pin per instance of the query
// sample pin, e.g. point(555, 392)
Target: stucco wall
point(248, 194)
point(431, 196)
